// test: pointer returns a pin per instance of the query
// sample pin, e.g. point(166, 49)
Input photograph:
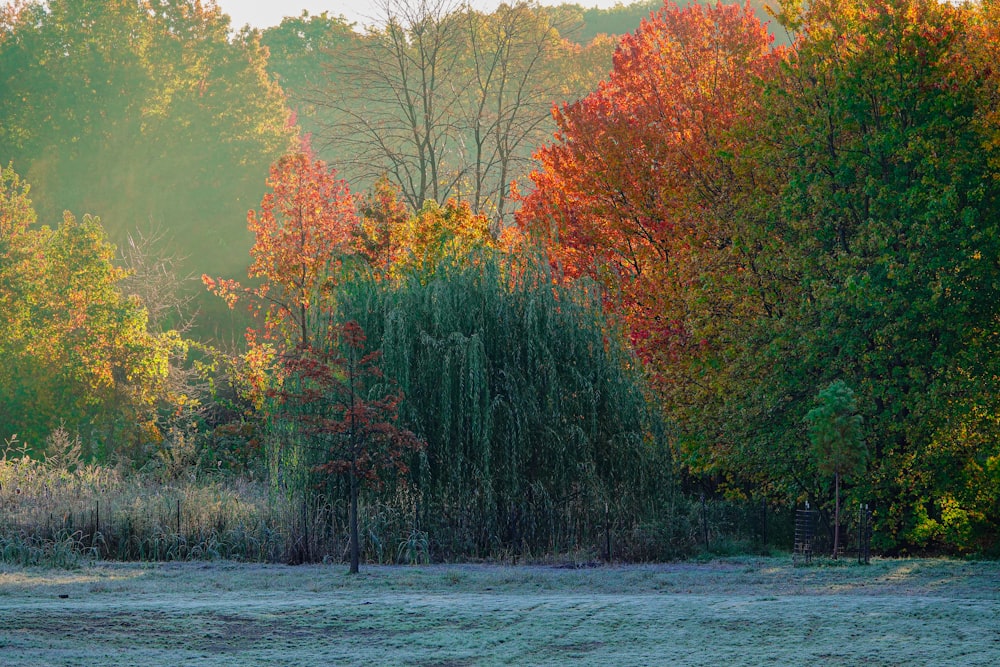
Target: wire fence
point(814, 534)
point(57, 517)
point(178, 524)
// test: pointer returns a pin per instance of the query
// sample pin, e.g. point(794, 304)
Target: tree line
point(737, 267)
point(773, 221)
point(164, 117)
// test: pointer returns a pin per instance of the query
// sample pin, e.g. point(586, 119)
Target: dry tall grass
point(61, 511)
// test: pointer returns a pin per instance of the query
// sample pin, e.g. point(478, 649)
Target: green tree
point(97, 366)
point(835, 431)
point(533, 412)
point(141, 111)
point(301, 51)
point(890, 211)
point(74, 348)
point(16, 290)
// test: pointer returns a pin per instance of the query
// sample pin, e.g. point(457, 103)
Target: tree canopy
point(144, 113)
point(732, 229)
point(834, 219)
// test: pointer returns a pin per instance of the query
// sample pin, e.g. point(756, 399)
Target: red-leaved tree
point(636, 189)
point(333, 394)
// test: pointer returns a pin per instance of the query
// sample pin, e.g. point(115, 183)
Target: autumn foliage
point(302, 233)
point(437, 234)
point(632, 192)
point(760, 225)
point(382, 215)
point(394, 243)
point(75, 347)
point(329, 398)
point(770, 222)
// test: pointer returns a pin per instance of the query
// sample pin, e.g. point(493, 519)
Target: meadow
point(737, 611)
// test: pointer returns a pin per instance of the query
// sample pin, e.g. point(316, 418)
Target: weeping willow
point(539, 439)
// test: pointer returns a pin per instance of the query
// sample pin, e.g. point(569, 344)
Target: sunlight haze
point(265, 13)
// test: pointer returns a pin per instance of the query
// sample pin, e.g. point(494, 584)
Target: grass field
point(745, 611)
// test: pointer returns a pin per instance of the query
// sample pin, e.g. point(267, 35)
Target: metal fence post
point(704, 521)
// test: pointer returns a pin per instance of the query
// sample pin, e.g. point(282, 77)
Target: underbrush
point(59, 515)
point(55, 516)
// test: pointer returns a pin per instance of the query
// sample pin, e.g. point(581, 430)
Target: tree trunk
point(836, 515)
point(355, 548)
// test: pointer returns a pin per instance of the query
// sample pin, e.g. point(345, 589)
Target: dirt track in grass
point(744, 611)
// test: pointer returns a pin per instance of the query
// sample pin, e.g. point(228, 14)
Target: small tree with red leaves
point(335, 396)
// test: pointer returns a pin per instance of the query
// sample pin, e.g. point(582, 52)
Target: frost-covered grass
point(743, 611)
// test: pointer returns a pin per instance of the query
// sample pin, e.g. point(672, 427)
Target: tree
point(438, 234)
point(300, 50)
point(334, 398)
point(394, 117)
point(17, 247)
point(446, 101)
point(534, 413)
point(645, 190)
point(837, 441)
point(99, 367)
point(513, 57)
point(303, 231)
point(382, 215)
point(17, 216)
point(74, 348)
point(398, 245)
point(889, 210)
point(151, 275)
point(299, 46)
point(141, 112)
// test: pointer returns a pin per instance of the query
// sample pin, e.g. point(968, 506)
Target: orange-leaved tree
point(302, 233)
point(638, 187)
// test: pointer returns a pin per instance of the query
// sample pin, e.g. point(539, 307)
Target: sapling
point(837, 441)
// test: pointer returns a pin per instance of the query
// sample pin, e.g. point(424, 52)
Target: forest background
point(537, 281)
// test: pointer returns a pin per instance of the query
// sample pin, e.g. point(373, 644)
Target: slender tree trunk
point(836, 515)
point(355, 547)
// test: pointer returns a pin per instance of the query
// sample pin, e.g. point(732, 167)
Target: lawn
point(744, 611)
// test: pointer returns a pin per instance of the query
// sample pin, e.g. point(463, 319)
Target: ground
point(745, 611)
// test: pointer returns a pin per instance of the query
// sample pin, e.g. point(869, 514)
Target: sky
point(265, 13)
